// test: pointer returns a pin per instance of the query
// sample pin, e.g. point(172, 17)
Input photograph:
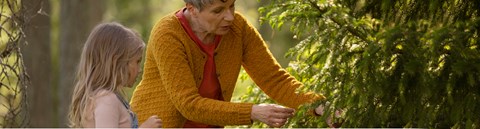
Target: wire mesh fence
point(13, 78)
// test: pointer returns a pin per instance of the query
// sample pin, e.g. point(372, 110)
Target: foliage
point(135, 14)
point(13, 79)
point(400, 63)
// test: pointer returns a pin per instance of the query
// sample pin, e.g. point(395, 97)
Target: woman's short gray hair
point(200, 4)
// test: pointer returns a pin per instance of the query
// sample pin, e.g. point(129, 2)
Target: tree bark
point(38, 62)
point(78, 17)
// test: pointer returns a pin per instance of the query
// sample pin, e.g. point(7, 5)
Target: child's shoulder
point(106, 97)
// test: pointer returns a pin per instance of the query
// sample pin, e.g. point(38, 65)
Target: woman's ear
point(192, 10)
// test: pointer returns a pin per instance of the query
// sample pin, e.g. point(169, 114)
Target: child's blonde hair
point(103, 65)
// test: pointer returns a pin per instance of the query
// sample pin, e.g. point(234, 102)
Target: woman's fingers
point(278, 120)
point(152, 122)
point(271, 114)
point(281, 115)
point(283, 109)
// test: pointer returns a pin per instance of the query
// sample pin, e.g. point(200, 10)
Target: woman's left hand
point(338, 113)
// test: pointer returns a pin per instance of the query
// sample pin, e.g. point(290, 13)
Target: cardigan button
point(215, 54)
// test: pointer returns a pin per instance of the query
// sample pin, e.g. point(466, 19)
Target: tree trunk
point(38, 62)
point(78, 17)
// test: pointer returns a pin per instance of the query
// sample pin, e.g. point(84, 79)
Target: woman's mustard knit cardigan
point(174, 68)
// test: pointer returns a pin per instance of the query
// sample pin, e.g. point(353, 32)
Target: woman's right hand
point(152, 122)
point(271, 114)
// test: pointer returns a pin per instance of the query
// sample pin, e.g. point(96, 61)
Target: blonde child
point(110, 61)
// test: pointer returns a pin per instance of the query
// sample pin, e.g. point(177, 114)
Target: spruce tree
point(386, 63)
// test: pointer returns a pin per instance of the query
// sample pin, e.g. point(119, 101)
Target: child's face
point(134, 69)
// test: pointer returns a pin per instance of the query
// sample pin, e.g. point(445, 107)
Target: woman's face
point(134, 68)
point(216, 18)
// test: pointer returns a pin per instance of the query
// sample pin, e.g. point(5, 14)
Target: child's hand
point(152, 122)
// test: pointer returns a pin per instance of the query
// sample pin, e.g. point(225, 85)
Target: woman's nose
point(229, 15)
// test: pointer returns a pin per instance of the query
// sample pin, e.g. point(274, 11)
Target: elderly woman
point(193, 59)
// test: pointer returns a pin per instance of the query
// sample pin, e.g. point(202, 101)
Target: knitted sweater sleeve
point(268, 74)
point(178, 81)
